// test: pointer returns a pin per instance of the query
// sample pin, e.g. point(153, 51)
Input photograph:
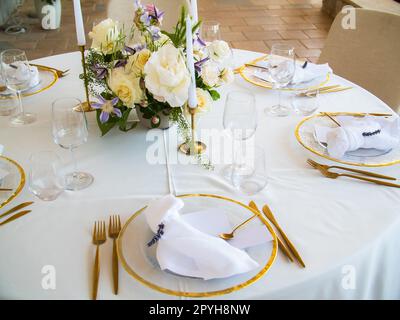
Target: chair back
point(368, 55)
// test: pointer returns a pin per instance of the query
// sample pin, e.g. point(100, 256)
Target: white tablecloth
point(342, 228)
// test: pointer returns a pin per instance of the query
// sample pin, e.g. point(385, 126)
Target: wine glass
point(282, 67)
point(17, 76)
point(210, 31)
point(240, 121)
point(69, 132)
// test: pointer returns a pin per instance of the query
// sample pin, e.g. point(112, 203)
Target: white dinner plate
point(140, 261)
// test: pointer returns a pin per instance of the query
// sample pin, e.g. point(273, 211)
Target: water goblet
point(69, 132)
point(17, 76)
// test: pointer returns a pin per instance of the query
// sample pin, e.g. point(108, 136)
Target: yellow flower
point(137, 62)
point(105, 36)
point(125, 86)
point(204, 100)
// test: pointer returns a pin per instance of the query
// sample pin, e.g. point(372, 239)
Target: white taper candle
point(192, 101)
point(80, 30)
point(195, 12)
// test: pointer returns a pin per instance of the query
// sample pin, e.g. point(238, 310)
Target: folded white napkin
point(355, 133)
point(309, 73)
point(187, 251)
point(23, 72)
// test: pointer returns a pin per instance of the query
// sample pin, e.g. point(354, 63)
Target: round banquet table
point(348, 232)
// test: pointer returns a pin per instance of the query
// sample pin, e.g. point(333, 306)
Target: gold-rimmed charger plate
point(247, 73)
point(305, 135)
point(140, 262)
point(14, 180)
point(48, 78)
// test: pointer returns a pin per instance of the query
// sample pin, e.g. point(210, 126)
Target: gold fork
point(333, 175)
point(99, 237)
point(60, 73)
point(114, 227)
point(367, 173)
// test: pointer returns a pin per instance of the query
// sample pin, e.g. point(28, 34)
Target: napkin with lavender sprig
point(185, 250)
point(355, 133)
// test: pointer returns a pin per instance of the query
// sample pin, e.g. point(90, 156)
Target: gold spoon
point(229, 236)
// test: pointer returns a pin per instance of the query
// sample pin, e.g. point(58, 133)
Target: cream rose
point(105, 36)
point(226, 76)
point(219, 51)
point(137, 62)
point(210, 74)
point(167, 77)
point(204, 100)
point(125, 86)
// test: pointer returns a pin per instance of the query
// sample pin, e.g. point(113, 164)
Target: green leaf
point(105, 127)
point(214, 95)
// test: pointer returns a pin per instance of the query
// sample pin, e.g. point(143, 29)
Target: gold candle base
point(197, 147)
point(85, 106)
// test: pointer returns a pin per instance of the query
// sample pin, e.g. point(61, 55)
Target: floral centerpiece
point(147, 70)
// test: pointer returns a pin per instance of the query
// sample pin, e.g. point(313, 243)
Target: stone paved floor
point(245, 24)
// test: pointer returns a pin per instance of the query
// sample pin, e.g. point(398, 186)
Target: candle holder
point(85, 106)
point(193, 147)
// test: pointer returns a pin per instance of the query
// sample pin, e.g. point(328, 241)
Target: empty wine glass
point(69, 132)
point(17, 76)
point(210, 31)
point(282, 67)
point(240, 121)
point(45, 178)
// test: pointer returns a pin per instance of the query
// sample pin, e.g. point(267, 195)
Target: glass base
point(22, 119)
point(277, 111)
point(232, 171)
point(78, 181)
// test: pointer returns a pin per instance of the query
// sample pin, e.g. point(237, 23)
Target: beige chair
point(122, 11)
point(369, 55)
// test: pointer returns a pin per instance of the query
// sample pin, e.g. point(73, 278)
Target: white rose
point(105, 36)
point(125, 86)
point(204, 100)
point(167, 77)
point(219, 50)
point(210, 74)
point(227, 76)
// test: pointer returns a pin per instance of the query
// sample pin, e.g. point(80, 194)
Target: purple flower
point(154, 13)
point(130, 50)
point(101, 72)
point(107, 107)
point(199, 40)
point(121, 63)
point(155, 33)
point(200, 63)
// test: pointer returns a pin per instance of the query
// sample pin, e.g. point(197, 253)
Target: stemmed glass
point(210, 31)
point(240, 121)
point(69, 132)
point(282, 67)
point(17, 76)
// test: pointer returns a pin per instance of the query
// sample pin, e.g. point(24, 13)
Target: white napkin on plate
point(368, 133)
point(24, 72)
point(187, 251)
point(309, 73)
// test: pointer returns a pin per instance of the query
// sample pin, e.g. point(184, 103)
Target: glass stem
point(279, 96)
point(21, 107)
point(71, 149)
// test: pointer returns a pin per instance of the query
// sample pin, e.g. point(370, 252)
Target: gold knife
point(267, 211)
point(5, 189)
point(16, 208)
point(15, 216)
point(281, 245)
